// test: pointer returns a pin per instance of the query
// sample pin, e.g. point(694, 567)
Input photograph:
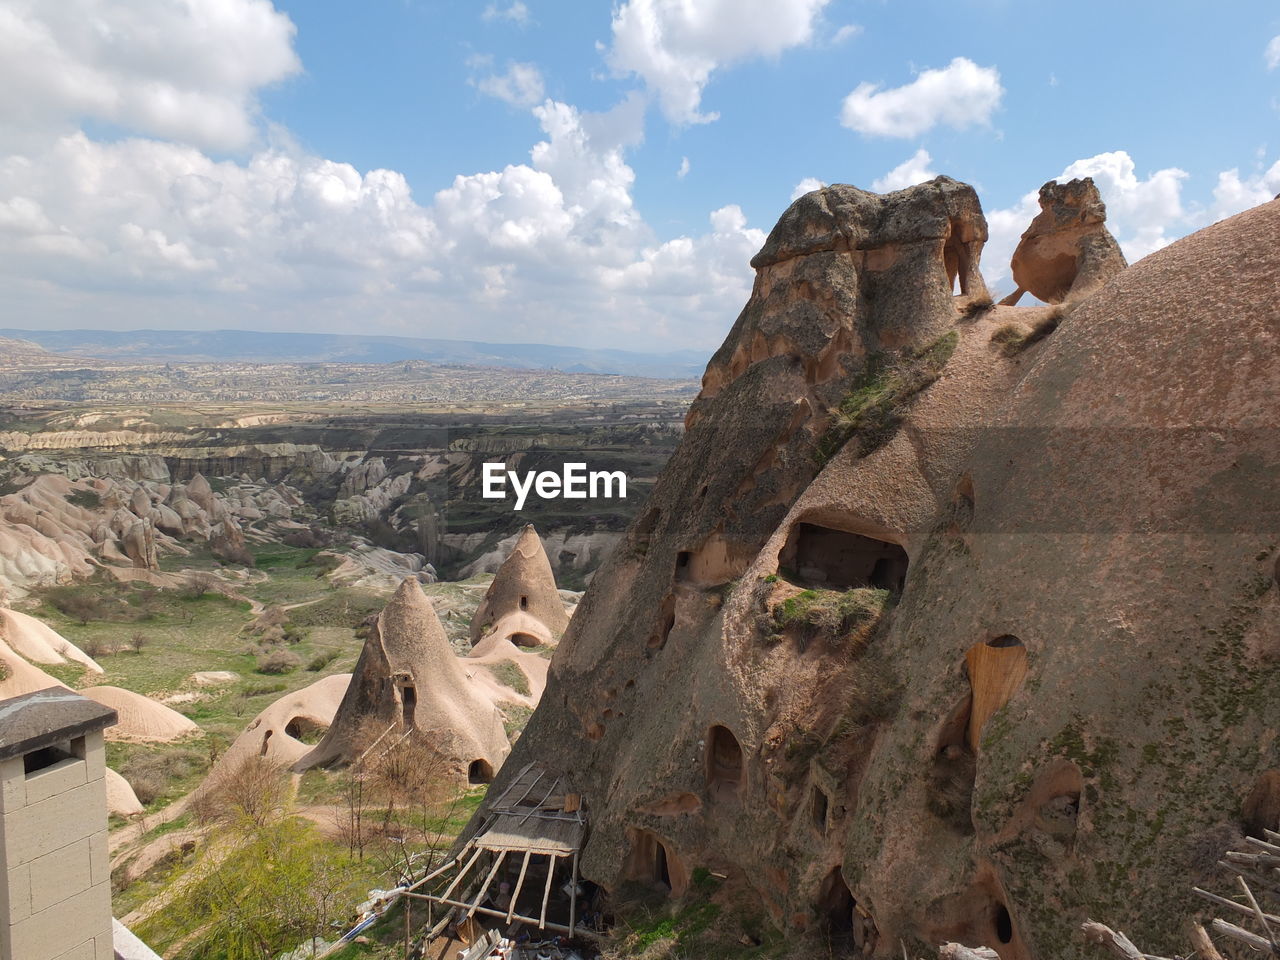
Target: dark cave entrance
point(480, 771)
point(836, 908)
point(652, 863)
point(833, 559)
point(524, 640)
point(724, 761)
point(1003, 924)
point(408, 704)
point(819, 806)
point(666, 623)
point(524, 603)
point(266, 739)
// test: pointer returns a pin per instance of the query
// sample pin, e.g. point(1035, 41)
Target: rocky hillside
point(401, 490)
point(945, 621)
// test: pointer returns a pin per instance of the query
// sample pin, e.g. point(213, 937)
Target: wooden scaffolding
point(537, 815)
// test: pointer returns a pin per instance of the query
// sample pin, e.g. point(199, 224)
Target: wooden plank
point(486, 911)
point(435, 873)
point(573, 895)
point(1229, 904)
point(546, 894)
point(512, 785)
point(1204, 946)
point(465, 870)
point(519, 883)
point(497, 865)
point(1240, 935)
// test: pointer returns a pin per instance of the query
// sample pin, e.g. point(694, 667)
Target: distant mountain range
point(203, 346)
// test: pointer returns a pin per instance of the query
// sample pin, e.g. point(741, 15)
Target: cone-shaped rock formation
point(408, 678)
point(522, 604)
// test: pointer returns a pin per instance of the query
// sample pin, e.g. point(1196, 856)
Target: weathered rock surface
point(522, 603)
point(1067, 252)
point(1038, 563)
point(408, 678)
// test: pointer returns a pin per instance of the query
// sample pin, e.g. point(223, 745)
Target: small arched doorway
point(480, 771)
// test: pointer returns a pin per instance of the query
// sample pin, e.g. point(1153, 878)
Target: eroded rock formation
point(522, 603)
point(904, 608)
point(1067, 252)
point(408, 678)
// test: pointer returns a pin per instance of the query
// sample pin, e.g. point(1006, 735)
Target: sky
point(570, 171)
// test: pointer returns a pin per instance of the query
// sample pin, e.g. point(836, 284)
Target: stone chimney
point(55, 899)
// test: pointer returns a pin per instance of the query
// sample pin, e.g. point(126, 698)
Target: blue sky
point(573, 172)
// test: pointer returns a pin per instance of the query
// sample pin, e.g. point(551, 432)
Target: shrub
point(279, 661)
point(879, 396)
point(86, 499)
point(198, 584)
point(95, 647)
point(152, 772)
point(322, 660)
point(137, 641)
point(78, 603)
point(1014, 338)
point(977, 306)
point(844, 616)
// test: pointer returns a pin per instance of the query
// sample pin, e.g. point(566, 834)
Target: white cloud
point(1234, 194)
point(186, 71)
point(1273, 53)
point(521, 85)
point(517, 12)
point(683, 170)
point(154, 229)
point(807, 185)
point(676, 45)
point(960, 95)
point(913, 170)
point(847, 32)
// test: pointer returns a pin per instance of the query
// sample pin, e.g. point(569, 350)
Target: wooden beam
point(546, 894)
point(1204, 946)
point(1240, 935)
point(515, 894)
point(1119, 945)
point(497, 864)
point(488, 912)
point(1229, 904)
point(955, 951)
point(434, 873)
point(464, 871)
point(573, 896)
point(511, 786)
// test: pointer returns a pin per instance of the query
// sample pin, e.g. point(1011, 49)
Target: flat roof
point(37, 720)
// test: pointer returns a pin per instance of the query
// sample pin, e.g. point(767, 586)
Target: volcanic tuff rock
point(1067, 252)
point(522, 603)
point(906, 604)
point(407, 678)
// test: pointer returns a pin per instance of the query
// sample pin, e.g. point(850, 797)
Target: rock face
point(904, 609)
point(408, 678)
point(522, 604)
point(1067, 252)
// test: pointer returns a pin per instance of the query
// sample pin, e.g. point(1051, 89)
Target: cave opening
point(666, 623)
point(724, 760)
point(1003, 924)
point(652, 863)
point(480, 771)
point(832, 559)
point(408, 704)
point(819, 806)
point(524, 602)
point(836, 911)
point(266, 740)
